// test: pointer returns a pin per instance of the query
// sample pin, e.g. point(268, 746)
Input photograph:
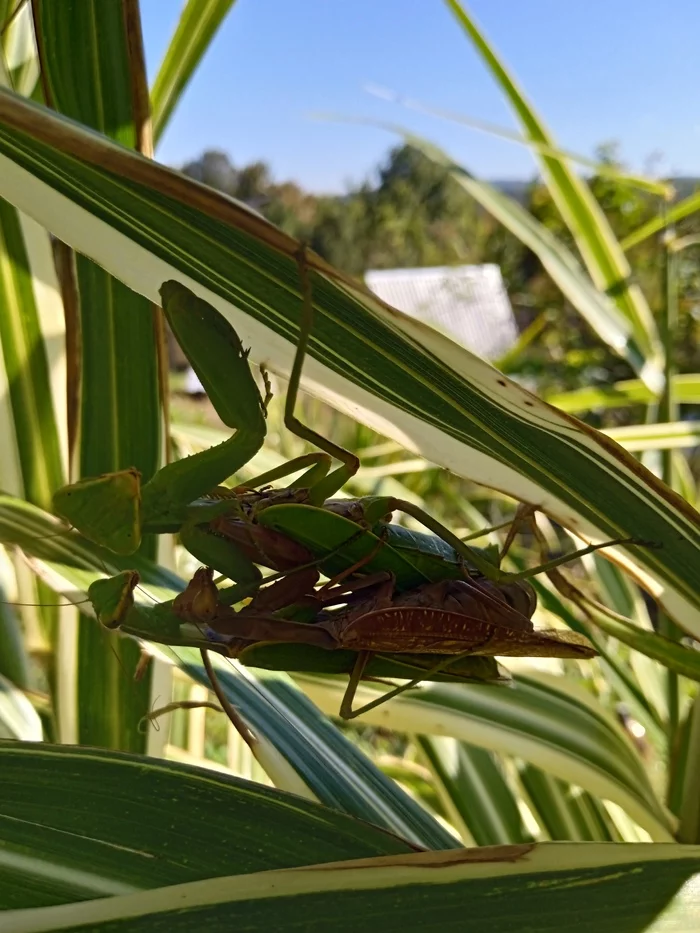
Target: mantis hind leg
point(330, 484)
point(525, 519)
point(346, 710)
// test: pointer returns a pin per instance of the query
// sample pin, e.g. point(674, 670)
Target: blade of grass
point(474, 791)
point(600, 250)
point(120, 417)
point(196, 28)
point(402, 377)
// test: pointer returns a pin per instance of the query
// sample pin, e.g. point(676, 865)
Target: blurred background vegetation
point(413, 214)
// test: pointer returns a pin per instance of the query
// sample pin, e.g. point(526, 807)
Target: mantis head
point(105, 509)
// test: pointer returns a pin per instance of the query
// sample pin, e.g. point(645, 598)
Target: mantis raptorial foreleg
point(114, 510)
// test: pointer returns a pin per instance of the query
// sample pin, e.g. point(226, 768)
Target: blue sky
point(597, 70)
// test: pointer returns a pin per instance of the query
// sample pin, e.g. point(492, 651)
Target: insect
point(451, 619)
point(186, 621)
point(235, 531)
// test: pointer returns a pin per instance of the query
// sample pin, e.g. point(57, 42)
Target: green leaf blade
point(196, 28)
point(82, 823)
point(599, 248)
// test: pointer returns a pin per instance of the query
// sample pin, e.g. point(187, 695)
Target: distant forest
point(414, 214)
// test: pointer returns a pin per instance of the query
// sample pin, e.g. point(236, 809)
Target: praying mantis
point(237, 531)
point(455, 619)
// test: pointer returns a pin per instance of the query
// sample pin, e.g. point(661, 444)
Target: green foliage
point(415, 215)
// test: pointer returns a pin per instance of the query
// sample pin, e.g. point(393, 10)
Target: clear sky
point(597, 70)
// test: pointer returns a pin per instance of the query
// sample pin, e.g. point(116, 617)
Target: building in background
point(467, 303)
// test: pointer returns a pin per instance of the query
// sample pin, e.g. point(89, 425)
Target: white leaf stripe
point(515, 723)
point(408, 882)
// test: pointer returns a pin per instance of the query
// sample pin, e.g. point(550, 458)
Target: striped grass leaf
point(680, 765)
point(329, 765)
point(671, 435)
point(18, 46)
point(620, 594)
point(196, 28)
point(672, 215)
point(79, 823)
point(608, 322)
point(147, 224)
point(104, 86)
point(689, 749)
point(686, 391)
point(18, 718)
point(474, 791)
point(14, 658)
point(663, 189)
point(684, 482)
point(191, 438)
point(599, 248)
point(33, 424)
point(616, 669)
point(32, 361)
point(322, 763)
point(565, 812)
point(672, 655)
point(606, 888)
point(31, 368)
point(541, 723)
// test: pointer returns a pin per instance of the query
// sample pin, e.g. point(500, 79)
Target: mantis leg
point(228, 707)
point(219, 553)
point(524, 518)
point(346, 710)
point(330, 484)
point(487, 531)
point(574, 555)
point(320, 465)
point(217, 356)
point(484, 566)
point(113, 510)
point(234, 594)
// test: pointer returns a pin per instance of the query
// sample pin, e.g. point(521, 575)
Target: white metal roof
point(468, 303)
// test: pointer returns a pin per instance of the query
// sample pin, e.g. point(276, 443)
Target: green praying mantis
point(289, 530)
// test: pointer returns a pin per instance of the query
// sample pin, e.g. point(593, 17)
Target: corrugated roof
point(468, 303)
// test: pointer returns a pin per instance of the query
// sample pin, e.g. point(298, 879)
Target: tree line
point(414, 214)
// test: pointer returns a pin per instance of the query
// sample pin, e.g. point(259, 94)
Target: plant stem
point(667, 412)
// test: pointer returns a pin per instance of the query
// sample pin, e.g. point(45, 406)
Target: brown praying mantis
point(451, 618)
